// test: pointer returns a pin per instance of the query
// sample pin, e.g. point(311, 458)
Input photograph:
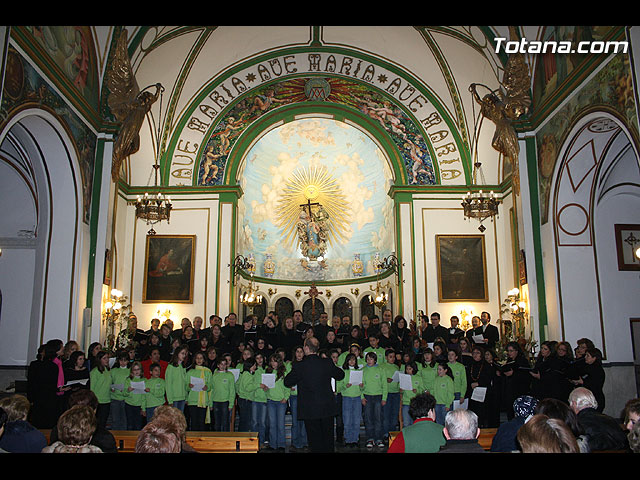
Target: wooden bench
point(485, 438)
point(202, 442)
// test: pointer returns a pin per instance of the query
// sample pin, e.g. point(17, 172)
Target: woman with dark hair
point(401, 330)
point(355, 336)
point(547, 373)
point(515, 375)
point(593, 376)
point(93, 350)
point(289, 338)
point(176, 378)
point(48, 387)
point(76, 371)
point(100, 383)
point(492, 398)
point(554, 408)
point(479, 374)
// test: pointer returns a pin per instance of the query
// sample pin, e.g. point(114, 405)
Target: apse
point(315, 162)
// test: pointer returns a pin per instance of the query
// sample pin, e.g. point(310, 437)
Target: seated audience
point(102, 438)
point(631, 413)
point(542, 434)
point(554, 408)
point(160, 436)
point(634, 438)
point(424, 435)
point(505, 438)
point(19, 435)
point(75, 429)
point(174, 416)
point(462, 432)
point(602, 431)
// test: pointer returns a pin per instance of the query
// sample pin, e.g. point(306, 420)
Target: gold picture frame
point(169, 269)
point(462, 268)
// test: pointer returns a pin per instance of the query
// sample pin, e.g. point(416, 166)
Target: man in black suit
point(490, 332)
point(434, 330)
point(316, 401)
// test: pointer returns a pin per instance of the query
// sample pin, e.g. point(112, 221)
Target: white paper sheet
point(405, 381)
point(355, 377)
point(478, 338)
point(198, 384)
point(236, 373)
point(464, 405)
point(76, 382)
point(118, 386)
point(479, 394)
point(138, 388)
point(269, 379)
point(396, 376)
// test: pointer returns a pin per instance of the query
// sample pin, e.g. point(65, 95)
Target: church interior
point(183, 171)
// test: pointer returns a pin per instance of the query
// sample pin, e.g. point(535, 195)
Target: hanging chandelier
point(480, 205)
point(250, 297)
point(156, 207)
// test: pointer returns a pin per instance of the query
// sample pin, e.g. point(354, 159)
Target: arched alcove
point(596, 186)
point(284, 308)
point(342, 307)
point(42, 269)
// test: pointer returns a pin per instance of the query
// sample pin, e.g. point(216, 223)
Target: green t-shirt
point(118, 377)
point(224, 387)
point(100, 384)
point(176, 388)
point(375, 381)
point(353, 390)
point(156, 394)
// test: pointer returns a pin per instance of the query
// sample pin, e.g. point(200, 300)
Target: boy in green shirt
point(374, 346)
point(374, 397)
point(155, 390)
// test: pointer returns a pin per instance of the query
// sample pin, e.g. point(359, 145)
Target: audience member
point(19, 435)
point(175, 417)
point(633, 438)
point(602, 431)
point(101, 438)
point(160, 436)
point(462, 432)
point(542, 434)
point(554, 408)
point(505, 438)
point(75, 429)
point(631, 413)
point(424, 435)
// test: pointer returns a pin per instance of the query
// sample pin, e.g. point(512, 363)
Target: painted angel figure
point(506, 104)
point(128, 104)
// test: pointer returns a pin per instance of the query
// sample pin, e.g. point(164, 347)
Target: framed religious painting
point(627, 242)
point(169, 268)
point(462, 272)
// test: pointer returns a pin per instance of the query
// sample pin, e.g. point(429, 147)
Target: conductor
point(316, 402)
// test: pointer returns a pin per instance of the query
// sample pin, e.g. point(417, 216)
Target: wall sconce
point(355, 291)
point(328, 293)
point(272, 291)
point(112, 317)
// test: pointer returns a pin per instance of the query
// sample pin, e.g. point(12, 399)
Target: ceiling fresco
point(358, 169)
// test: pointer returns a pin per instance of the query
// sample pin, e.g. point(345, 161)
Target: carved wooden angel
point(506, 104)
point(128, 104)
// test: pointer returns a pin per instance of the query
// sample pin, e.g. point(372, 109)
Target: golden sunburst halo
point(316, 185)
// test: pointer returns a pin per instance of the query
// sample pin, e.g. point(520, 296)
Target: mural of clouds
point(357, 165)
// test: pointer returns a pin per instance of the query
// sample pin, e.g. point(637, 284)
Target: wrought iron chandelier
point(156, 207)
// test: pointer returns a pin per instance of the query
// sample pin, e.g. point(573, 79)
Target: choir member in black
point(165, 342)
point(200, 345)
point(331, 341)
point(179, 333)
point(321, 328)
point(250, 331)
point(564, 357)
point(262, 347)
point(516, 377)
point(343, 331)
point(593, 376)
point(355, 336)
point(492, 399)
point(75, 369)
point(401, 331)
point(219, 341)
point(387, 339)
point(47, 390)
point(232, 330)
point(198, 331)
point(370, 325)
point(213, 320)
point(434, 330)
point(32, 373)
point(480, 374)
point(455, 333)
point(489, 332)
point(155, 326)
point(440, 351)
point(289, 339)
point(153, 341)
point(300, 325)
point(269, 331)
point(465, 349)
point(548, 374)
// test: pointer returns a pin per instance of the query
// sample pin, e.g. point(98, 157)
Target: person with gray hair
point(602, 431)
point(462, 432)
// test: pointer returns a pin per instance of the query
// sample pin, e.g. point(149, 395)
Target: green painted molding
point(93, 227)
point(532, 170)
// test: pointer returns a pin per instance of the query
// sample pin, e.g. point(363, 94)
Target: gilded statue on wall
point(128, 104)
point(312, 233)
point(507, 104)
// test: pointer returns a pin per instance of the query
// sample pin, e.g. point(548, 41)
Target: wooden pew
point(202, 442)
point(485, 438)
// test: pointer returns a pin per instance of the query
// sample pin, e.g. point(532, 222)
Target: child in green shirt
point(100, 384)
point(411, 368)
point(155, 390)
point(351, 401)
point(374, 397)
point(199, 399)
point(245, 387)
point(134, 399)
point(175, 377)
point(118, 375)
point(277, 397)
point(391, 409)
point(459, 375)
point(224, 396)
point(443, 391)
